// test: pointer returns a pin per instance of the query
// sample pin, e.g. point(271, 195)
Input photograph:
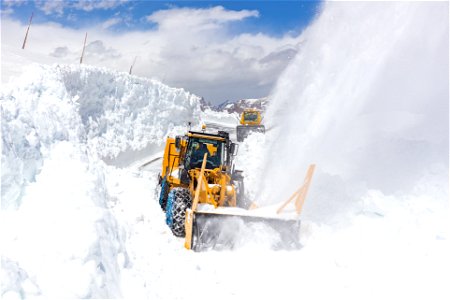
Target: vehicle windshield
point(250, 116)
point(197, 148)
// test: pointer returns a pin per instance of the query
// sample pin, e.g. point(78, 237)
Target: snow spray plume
point(366, 99)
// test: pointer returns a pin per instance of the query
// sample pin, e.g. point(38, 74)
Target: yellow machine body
point(250, 121)
point(202, 195)
point(219, 190)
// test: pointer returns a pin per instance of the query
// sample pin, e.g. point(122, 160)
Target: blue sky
point(221, 50)
point(275, 17)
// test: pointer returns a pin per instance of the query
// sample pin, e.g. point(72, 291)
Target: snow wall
point(367, 100)
point(60, 237)
point(111, 114)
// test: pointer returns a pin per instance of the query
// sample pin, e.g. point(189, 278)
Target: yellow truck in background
point(250, 121)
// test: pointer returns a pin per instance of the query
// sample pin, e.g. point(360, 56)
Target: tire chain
point(182, 202)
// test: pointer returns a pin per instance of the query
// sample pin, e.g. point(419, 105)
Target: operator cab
point(196, 149)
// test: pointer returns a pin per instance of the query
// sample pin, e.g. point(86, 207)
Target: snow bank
point(220, 118)
point(112, 114)
point(64, 232)
point(62, 235)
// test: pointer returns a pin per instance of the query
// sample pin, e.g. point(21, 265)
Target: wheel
point(164, 193)
point(178, 201)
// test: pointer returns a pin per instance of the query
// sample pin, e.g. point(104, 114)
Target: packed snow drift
point(366, 99)
point(60, 124)
point(112, 115)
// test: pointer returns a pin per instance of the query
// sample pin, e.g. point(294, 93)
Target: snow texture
point(60, 124)
point(113, 115)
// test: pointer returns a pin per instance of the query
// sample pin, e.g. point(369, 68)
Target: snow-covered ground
point(366, 99)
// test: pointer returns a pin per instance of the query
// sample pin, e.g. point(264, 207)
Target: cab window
point(197, 149)
point(250, 116)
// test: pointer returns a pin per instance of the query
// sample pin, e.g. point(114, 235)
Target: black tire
point(178, 201)
point(164, 193)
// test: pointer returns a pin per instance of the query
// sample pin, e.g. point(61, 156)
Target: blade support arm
point(190, 212)
point(300, 194)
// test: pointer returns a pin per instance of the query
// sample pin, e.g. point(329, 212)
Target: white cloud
point(12, 3)
point(110, 23)
point(60, 52)
point(7, 6)
point(97, 51)
point(7, 11)
point(58, 7)
point(88, 5)
point(204, 18)
point(52, 7)
point(213, 64)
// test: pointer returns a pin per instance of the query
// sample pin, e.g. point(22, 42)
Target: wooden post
point(28, 29)
point(131, 68)
point(84, 46)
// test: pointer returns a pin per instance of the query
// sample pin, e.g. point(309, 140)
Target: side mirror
point(234, 149)
point(177, 142)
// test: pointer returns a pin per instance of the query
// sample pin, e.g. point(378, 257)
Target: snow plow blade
point(221, 231)
point(230, 228)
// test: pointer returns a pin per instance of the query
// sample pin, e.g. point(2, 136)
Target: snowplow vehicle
point(203, 197)
point(250, 121)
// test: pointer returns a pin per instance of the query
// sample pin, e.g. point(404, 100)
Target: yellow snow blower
point(204, 201)
point(250, 122)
